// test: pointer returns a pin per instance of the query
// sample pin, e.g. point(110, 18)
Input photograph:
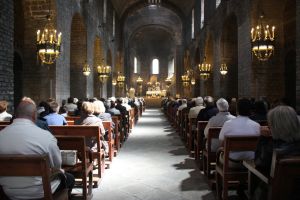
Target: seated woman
point(285, 132)
point(88, 118)
point(4, 116)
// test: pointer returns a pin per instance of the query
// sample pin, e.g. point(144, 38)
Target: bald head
point(26, 109)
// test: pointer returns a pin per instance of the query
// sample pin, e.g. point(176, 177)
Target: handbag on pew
point(69, 157)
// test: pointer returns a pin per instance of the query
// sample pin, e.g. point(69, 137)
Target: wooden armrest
point(250, 165)
point(219, 152)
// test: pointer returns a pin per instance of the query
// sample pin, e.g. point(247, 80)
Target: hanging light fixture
point(86, 70)
point(48, 42)
point(168, 82)
point(204, 69)
point(193, 81)
point(185, 80)
point(223, 69)
point(114, 82)
point(262, 40)
point(120, 80)
point(139, 81)
point(103, 72)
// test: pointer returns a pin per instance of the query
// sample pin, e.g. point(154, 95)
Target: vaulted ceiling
point(123, 6)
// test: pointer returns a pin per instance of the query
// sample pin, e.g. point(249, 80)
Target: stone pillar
point(179, 69)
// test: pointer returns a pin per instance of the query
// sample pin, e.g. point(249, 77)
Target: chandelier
point(86, 70)
point(262, 40)
point(223, 69)
point(185, 80)
point(193, 81)
point(114, 82)
point(168, 82)
point(139, 81)
point(204, 69)
point(103, 72)
point(120, 80)
point(48, 42)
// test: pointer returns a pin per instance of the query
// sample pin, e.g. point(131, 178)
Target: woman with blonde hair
point(4, 116)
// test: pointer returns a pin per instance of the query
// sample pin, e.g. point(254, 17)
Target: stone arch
point(98, 57)
point(18, 78)
point(229, 55)
point(78, 56)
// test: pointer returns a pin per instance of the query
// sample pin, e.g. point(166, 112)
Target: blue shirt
point(55, 119)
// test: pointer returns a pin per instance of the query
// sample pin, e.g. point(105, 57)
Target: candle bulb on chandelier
point(38, 35)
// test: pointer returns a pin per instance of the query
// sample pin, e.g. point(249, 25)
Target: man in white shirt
point(218, 121)
point(240, 126)
point(24, 137)
point(193, 113)
point(4, 116)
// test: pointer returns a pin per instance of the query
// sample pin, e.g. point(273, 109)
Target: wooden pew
point(107, 126)
point(199, 142)
point(30, 165)
point(82, 169)
point(5, 123)
point(191, 131)
point(285, 170)
point(72, 118)
point(87, 131)
point(224, 174)
point(116, 120)
point(209, 157)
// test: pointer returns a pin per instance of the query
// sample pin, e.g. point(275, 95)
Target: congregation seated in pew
point(31, 140)
point(284, 126)
point(4, 115)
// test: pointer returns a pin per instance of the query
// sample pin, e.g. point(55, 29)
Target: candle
point(38, 36)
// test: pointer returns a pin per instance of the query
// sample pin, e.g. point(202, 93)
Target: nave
point(153, 165)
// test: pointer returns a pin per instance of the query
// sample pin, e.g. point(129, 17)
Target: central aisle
point(153, 165)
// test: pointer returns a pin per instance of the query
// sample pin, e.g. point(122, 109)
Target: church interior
point(157, 55)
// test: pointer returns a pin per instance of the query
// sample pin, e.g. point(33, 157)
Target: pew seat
point(32, 165)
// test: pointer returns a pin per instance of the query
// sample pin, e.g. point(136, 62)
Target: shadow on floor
point(194, 182)
point(188, 163)
point(179, 152)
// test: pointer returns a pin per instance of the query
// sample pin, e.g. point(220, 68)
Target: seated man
point(210, 110)
point(218, 120)
point(240, 126)
point(198, 106)
point(53, 118)
point(30, 140)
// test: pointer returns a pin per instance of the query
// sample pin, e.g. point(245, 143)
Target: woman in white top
point(4, 116)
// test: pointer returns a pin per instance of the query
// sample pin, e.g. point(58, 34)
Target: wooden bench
point(107, 126)
point(199, 142)
point(30, 165)
point(5, 123)
point(82, 169)
point(72, 118)
point(224, 174)
point(86, 131)
point(117, 132)
point(209, 156)
point(285, 170)
point(191, 132)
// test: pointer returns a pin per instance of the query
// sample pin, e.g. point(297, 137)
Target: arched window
point(193, 24)
point(202, 14)
point(155, 66)
point(218, 3)
point(135, 68)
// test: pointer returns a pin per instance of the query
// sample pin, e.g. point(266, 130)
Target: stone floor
point(153, 165)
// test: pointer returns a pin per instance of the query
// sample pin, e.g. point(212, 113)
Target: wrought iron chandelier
point(139, 81)
point(48, 42)
point(120, 80)
point(205, 70)
point(262, 40)
point(185, 80)
point(103, 72)
point(86, 70)
point(223, 69)
point(168, 82)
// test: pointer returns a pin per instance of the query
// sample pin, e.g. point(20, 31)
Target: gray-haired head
point(26, 109)
point(284, 124)
point(199, 101)
point(222, 104)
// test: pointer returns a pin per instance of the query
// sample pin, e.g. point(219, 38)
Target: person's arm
point(54, 154)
